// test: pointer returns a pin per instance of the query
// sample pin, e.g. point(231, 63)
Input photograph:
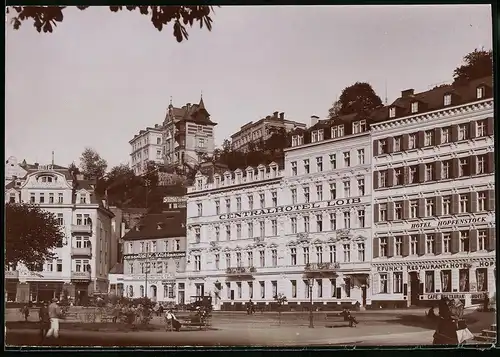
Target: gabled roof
point(159, 225)
point(117, 269)
point(193, 113)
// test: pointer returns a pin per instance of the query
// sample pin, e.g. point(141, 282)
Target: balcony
point(82, 276)
point(240, 272)
point(81, 252)
point(11, 274)
point(81, 228)
point(321, 268)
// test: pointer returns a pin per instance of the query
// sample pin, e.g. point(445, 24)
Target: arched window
point(130, 291)
point(142, 290)
point(153, 291)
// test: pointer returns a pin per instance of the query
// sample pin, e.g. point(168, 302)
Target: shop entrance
point(414, 288)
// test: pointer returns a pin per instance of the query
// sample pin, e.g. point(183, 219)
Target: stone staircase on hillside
point(489, 335)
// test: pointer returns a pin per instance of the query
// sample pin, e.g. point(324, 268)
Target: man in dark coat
point(43, 316)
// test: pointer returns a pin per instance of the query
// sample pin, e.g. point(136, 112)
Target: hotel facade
point(434, 197)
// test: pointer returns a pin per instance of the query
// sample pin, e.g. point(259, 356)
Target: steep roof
point(159, 225)
point(192, 113)
point(117, 269)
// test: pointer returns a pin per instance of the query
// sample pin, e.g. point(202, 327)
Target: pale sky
point(103, 76)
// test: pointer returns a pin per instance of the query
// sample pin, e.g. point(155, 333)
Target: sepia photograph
point(249, 176)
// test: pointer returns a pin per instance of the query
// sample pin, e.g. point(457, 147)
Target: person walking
point(54, 313)
point(43, 316)
point(25, 311)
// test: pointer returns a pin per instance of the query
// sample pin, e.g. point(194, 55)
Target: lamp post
point(311, 323)
point(147, 269)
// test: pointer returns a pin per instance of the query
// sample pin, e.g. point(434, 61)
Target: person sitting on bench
point(352, 320)
point(172, 320)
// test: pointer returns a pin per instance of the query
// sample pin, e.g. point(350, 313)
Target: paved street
point(375, 328)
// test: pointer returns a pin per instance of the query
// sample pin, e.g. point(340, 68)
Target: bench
point(337, 317)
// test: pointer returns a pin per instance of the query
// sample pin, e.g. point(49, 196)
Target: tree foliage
point(92, 165)
point(45, 18)
point(358, 98)
point(31, 235)
point(477, 64)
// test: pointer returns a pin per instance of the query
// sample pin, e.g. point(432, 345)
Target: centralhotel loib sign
point(292, 208)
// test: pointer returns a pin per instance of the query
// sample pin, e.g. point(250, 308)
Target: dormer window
point(274, 171)
point(250, 175)
point(228, 179)
point(199, 184)
point(447, 100)
point(83, 198)
point(261, 174)
point(217, 181)
point(414, 107)
point(359, 126)
point(46, 179)
point(238, 177)
point(337, 131)
point(392, 112)
point(480, 92)
point(297, 140)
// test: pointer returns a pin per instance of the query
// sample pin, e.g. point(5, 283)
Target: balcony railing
point(80, 275)
point(321, 267)
point(11, 274)
point(240, 271)
point(81, 228)
point(81, 252)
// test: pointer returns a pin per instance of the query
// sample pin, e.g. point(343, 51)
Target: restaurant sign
point(460, 296)
point(416, 266)
point(292, 208)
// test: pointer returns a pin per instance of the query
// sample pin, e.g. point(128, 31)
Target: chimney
point(35, 164)
point(314, 119)
point(188, 106)
point(275, 115)
point(407, 93)
point(282, 116)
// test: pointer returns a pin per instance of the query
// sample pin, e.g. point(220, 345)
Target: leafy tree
point(477, 64)
point(358, 98)
point(334, 111)
point(31, 235)
point(118, 184)
point(92, 164)
point(45, 17)
point(73, 169)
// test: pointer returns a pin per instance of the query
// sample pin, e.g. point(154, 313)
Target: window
point(413, 208)
point(429, 138)
point(480, 92)
point(238, 231)
point(306, 194)
point(262, 229)
point(383, 283)
point(201, 142)
point(398, 176)
point(446, 281)
point(262, 200)
point(238, 259)
point(446, 242)
point(382, 178)
point(274, 226)
point(305, 254)
point(413, 245)
point(51, 198)
point(361, 218)
point(274, 198)
point(398, 246)
point(382, 212)
point(412, 141)
point(319, 223)
point(294, 196)
point(306, 224)
point(333, 161)
point(463, 202)
point(392, 112)
point(481, 164)
point(429, 207)
point(293, 256)
point(398, 211)
point(200, 209)
point(250, 230)
point(262, 290)
point(294, 168)
point(217, 207)
point(228, 205)
point(361, 156)
point(347, 189)
point(238, 204)
point(250, 202)
point(42, 198)
point(274, 285)
point(319, 254)
point(481, 201)
point(347, 252)
point(361, 187)
point(382, 146)
point(429, 244)
point(445, 135)
point(319, 192)
point(250, 258)
point(414, 107)
point(197, 235)
point(306, 166)
point(319, 164)
point(293, 221)
point(463, 280)
point(228, 260)
point(59, 265)
point(347, 159)
point(358, 126)
point(332, 253)
point(262, 258)
point(481, 240)
point(314, 136)
point(158, 154)
point(333, 191)
point(397, 144)
point(60, 219)
point(228, 232)
point(463, 133)
point(445, 170)
point(361, 252)
point(447, 99)
point(337, 131)
point(429, 172)
point(79, 241)
point(413, 174)
point(383, 247)
point(333, 221)
point(78, 265)
point(295, 140)
point(347, 219)
point(398, 282)
point(12, 198)
point(481, 128)
point(197, 262)
point(294, 288)
point(464, 241)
